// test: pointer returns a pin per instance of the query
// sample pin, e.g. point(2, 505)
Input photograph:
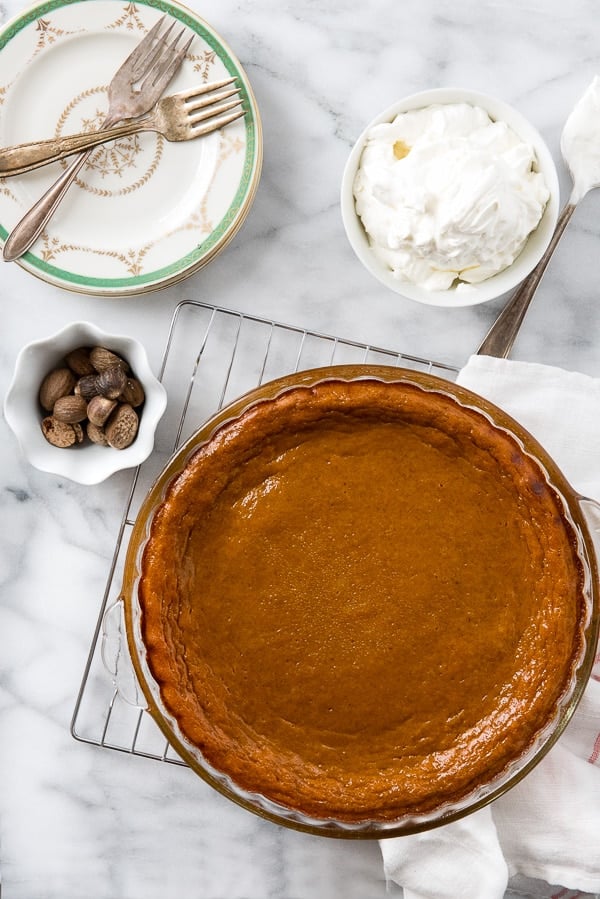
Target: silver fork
point(134, 89)
point(183, 116)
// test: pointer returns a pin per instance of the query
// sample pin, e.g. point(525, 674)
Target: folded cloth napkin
point(548, 826)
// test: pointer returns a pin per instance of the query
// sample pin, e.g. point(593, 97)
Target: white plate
point(144, 212)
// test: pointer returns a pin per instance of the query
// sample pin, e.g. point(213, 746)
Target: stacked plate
point(144, 213)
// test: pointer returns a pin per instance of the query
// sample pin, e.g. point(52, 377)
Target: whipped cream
point(580, 142)
point(446, 195)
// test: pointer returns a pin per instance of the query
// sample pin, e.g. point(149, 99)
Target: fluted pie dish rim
point(336, 825)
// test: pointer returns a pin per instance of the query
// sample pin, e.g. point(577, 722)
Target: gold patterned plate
point(144, 213)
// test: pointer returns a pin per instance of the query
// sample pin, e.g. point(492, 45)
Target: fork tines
point(138, 60)
point(148, 58)
point(161, 50)
point(209, 94)
point(210, 98)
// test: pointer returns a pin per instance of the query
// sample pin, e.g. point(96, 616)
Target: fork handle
point(26, 232)
point(26, 157)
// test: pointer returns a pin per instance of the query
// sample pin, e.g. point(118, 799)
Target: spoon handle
point(501, 336)
point(35, 220)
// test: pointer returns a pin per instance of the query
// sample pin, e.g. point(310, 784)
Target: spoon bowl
point(580, 148)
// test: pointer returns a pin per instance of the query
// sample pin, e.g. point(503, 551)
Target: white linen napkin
point(548, 826)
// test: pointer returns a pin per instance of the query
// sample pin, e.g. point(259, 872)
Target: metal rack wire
point(212, 356)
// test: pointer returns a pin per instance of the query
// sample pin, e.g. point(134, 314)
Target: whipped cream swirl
point(446, 195)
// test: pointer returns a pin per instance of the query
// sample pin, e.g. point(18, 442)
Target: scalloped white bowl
point(86, 463)
point(466, 294)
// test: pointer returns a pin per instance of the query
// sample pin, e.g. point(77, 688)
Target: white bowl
point(86, 463)
point(466, 294)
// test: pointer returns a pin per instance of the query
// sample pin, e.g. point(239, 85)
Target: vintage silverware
point(183, 116)
point(133, 91)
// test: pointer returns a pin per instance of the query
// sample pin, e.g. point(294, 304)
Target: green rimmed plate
point(144, 213)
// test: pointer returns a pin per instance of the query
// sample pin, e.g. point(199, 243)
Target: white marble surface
point(80, 821)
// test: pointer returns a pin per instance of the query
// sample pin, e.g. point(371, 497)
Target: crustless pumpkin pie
point(361, 600)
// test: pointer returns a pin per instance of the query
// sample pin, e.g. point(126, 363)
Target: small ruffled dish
point(460, 293)
point(84, 462)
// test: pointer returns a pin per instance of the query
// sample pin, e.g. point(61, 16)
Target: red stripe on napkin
point(595, 751)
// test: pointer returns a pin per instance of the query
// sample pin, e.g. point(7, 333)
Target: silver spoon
point(580, 148)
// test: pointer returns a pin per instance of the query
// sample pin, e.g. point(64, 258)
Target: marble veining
point(79, 821)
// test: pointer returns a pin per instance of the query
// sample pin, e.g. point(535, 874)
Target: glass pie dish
point(329, 801)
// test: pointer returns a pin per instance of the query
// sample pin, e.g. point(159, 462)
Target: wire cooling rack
point(212, 356)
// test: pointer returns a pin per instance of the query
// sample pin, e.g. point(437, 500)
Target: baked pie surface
point(361, 600)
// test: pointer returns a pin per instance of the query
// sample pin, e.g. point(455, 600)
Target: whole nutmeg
point(99, 408)
point(57, 383)
point(92, 393)
point(101, 359)
point(122, 427)
point(96, 434)
point(70, 409)
point(87, 386)
point(60, 433)
point(79, 361)
point(111, 382)
point(133, 393)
